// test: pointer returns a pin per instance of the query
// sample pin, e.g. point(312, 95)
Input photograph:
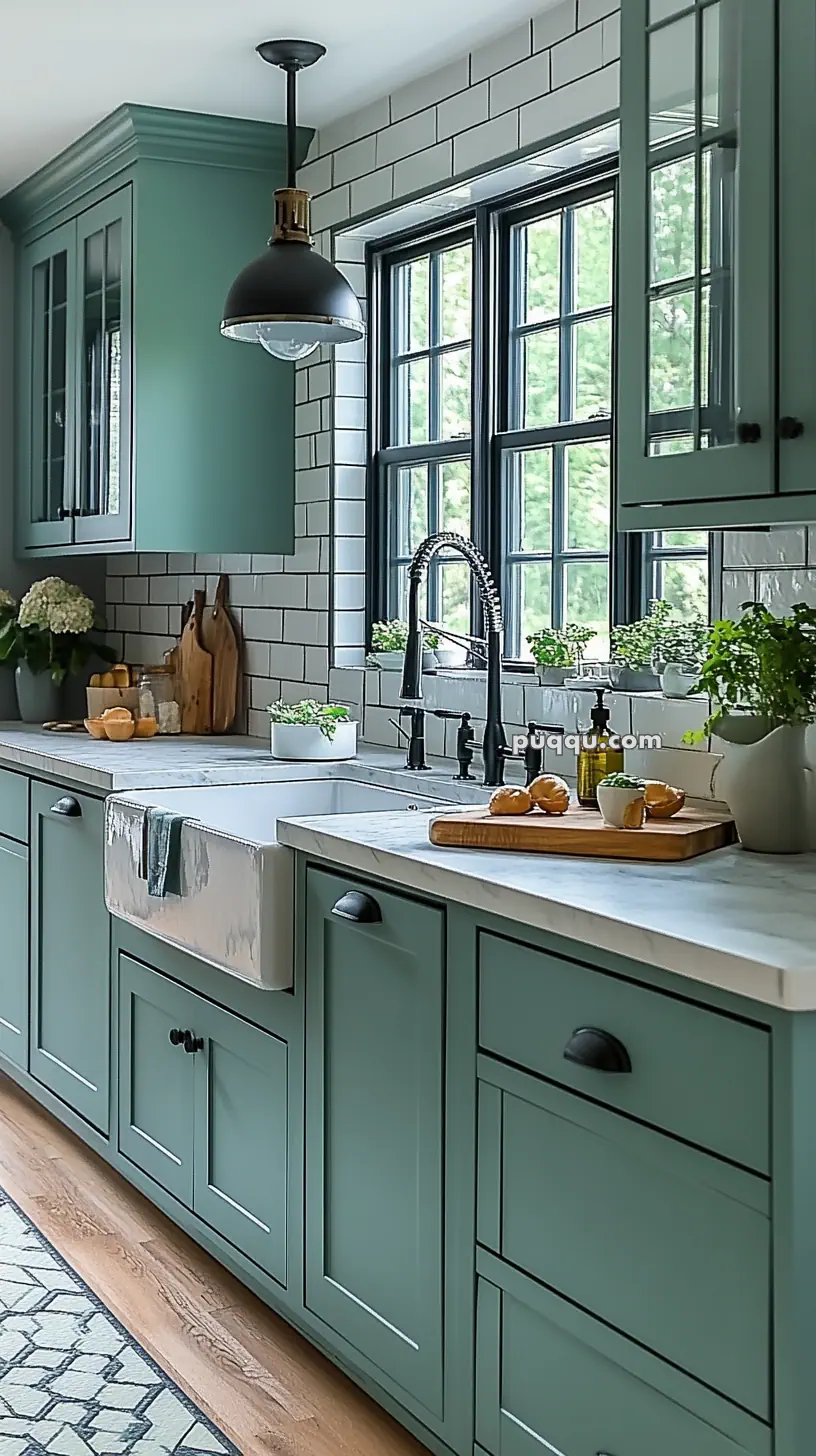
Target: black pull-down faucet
point(494, 748)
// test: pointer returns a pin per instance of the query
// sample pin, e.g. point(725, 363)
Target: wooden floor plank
point(267, 1388)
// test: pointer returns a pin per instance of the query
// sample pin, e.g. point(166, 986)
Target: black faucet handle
point(449, 713)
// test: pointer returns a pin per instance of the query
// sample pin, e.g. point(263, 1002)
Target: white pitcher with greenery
point(760, 673)
point(311, 731)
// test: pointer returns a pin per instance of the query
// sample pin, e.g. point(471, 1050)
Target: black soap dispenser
point(597, 758)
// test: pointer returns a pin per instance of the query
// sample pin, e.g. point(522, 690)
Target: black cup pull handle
point(749, 434)
point(177, 1036)
point(362, 909)
point(790, 428)
point(193, 1043)
point(598, 1050)
point(69, 807)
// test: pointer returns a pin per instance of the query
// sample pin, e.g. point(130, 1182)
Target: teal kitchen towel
point(163, 844)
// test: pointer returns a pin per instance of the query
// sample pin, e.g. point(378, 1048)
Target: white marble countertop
point(743, 922)
point(187, 761)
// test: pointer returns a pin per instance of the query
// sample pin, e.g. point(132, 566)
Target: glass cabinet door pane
point(694, 90)
point(101, 323)
point(49, 456)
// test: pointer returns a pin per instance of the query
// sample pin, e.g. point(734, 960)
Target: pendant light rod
point(291, 125)
point(291, 56)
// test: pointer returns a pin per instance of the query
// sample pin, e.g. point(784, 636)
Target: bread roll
point(662, 801)
point(634, 814)
point(510, 800)
point(550, 793)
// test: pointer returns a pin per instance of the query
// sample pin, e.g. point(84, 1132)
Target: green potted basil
point(558, 652)
point(635, 645)
point(389, 641)
point(312, 731)
point(760, 674)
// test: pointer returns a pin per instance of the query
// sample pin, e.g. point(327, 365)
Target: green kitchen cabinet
point(138, 426)
point(14, 976)
point(375, 997)
point(717, 296)
point(70, 951)
point(203, 1109)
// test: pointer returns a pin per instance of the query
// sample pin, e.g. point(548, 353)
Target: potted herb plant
point(682, 649)
point(45, 639)
point(634, 647)
point(760, 674)
point(311, 730)
point(616, 795)
point(389, 641)
point(558, 652)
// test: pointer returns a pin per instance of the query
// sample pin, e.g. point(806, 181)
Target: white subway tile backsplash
point(235, 564)
point(152, 561)
point(372, 192)
point(256, 658)
point(577, 56)
point(589, 11)
point(485, 143)
point(553, 24)
point(313, 485)
point(349, 554)
point(421, 172)
point(406, 137)
point(308, 627)
point(738, 587)
point(317, 664)
point(350, 447)
point(136, 589)
point(611, 38)
point(349, 628)
point(521, 83)
point(262, 623)
point(284, 590)
point(267, 563)
point(346, 684)
point(349, 482)
point(349, 592)
point(114, 589)
point(498, 54)
point(317, 593)
point(286, 660)
point(294, 692)
point(669, 718)
point(350, 379)
point(355, 160)
point(316, 176)
point(306, 557)
point(331, 208)
point(153, 619)
point(320, 381)
point(180, 561)
point(571, 106)
point(430, 89)
point(349, 413)
point(459, 112)
point(783, 547)
point(780, 590)
point(318, 518)
point(349, 517)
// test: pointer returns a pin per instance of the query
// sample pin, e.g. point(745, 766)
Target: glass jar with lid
point(158, 697)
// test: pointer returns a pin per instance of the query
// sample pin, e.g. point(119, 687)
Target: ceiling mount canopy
point(290, 299)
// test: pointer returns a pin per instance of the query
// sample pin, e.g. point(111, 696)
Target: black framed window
point(491, 390)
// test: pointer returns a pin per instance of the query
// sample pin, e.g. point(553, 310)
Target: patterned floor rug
point(73, 1382)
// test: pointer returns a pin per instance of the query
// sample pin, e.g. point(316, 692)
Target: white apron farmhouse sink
point(235, 908)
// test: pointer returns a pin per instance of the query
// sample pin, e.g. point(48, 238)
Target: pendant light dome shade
point(290, 299)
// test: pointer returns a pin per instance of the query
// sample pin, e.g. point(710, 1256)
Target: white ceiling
point(65, 66)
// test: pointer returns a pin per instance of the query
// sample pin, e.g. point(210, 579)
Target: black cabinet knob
point(67, 808)
point(749, 434)
point(193, 1043)
point(598, 1050)
point(177, 1036)
point(362, 909)
point(790, 428)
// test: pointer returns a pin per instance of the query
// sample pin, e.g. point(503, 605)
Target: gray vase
point(763, 780)
point(38, 696)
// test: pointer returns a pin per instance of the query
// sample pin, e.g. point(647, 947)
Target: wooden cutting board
point(219, 638)
point(582, 831)
point(195, 667)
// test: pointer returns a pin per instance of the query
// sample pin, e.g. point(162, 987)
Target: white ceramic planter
point(613, 804)
point(392, 661)
point(306, 742)
point(554, 677)
point(763, 780)
point(450, 656)
point(677, 682)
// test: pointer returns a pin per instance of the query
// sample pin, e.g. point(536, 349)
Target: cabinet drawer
point(697, 1073)
point(549, 1379)
point(668, 1245)
point(14, 805)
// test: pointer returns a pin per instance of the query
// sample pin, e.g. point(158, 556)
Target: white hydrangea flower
point(6, 599)
point(57, 606)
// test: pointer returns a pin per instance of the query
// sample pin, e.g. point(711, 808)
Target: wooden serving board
point(219, 638)
point(582, 831)
point(195, 667)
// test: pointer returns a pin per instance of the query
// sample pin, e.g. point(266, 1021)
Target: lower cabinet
point(70, 951)
point(203, 1109)
point(14, 977)
point(549, 1379)
point(375, 997)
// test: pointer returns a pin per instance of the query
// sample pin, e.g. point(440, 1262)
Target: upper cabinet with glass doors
point(711, 428)
point(138, 426)
point(74, 412)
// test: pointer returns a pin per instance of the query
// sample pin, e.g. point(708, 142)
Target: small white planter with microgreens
point(311, 731)
point(389, 641)
point(616, 794)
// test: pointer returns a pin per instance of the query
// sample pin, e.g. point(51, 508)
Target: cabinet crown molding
point(135, 133)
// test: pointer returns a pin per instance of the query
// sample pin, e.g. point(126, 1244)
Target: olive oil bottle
point(595, 762)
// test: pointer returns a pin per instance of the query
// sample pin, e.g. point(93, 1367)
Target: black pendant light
point(290, 299)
